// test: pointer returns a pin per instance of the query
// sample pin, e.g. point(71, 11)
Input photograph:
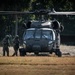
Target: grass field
point(39, 65)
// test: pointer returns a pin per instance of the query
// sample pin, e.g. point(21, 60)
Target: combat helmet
point(16, 36)
point(7, 36)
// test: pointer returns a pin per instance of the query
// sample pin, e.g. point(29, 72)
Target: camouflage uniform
point(6, 45)
point(15, 45)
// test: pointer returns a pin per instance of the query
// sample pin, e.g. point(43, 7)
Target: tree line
point(7, 22)
point(21, 5)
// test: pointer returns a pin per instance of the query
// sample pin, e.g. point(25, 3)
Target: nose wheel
point(22, 52)
point(36, 53)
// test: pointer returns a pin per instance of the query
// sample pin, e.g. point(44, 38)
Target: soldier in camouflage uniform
point(6, 45)
point(16, 45)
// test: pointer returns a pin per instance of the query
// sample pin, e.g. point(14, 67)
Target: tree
point(17, 5)
point(41, 4)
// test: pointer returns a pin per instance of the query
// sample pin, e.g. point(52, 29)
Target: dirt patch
point(68, 50)
point(65, 49)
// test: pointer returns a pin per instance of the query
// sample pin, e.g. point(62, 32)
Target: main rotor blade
point(61, 13)
point(15, 12)
point(35, 12)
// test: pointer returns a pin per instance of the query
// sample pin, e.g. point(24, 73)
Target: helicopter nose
point(36, 48)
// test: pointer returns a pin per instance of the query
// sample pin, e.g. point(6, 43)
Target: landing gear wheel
point(58, 52)
point(22, 52)
point(51, 52)
point(36, 53)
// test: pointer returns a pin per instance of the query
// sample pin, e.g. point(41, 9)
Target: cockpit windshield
point(44, 34)
point(38, 33)
point(47, 34)
point(29, 34)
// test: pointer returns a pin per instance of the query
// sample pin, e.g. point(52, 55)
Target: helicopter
point(41, 35)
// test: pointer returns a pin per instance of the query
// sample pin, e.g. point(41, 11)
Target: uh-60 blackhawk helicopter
point(41, 35)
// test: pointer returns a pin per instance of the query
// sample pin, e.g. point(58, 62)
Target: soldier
point(6, 45)
point(16, 45)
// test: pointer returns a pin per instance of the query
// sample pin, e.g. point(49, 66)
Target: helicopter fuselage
point(41, 37)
